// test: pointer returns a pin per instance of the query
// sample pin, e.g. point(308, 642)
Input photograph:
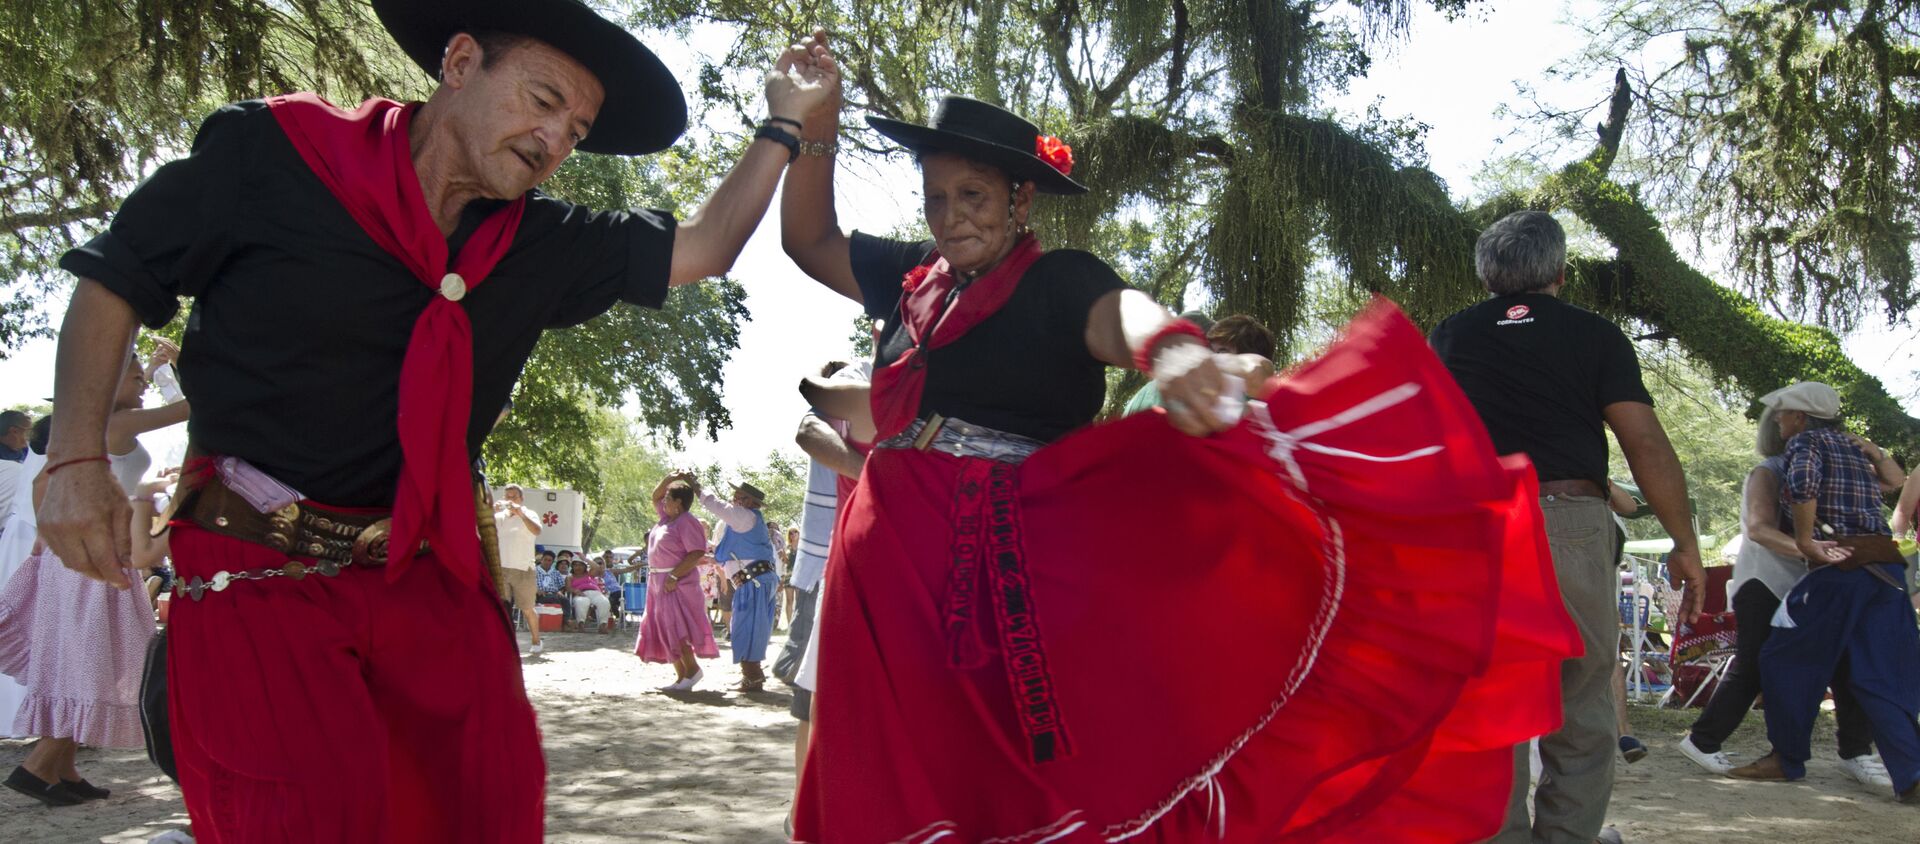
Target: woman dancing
point(675, 628)
point(78, 644)
point(991, 667)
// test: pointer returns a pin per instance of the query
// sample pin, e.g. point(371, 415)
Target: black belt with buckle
point(757, 568)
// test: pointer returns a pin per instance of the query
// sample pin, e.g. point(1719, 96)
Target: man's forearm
point(1663, 482)
point(736, 517)
point(707, 243)
point(531, 524)
point(822, 443)
point(94, 339)
point(1805, 515)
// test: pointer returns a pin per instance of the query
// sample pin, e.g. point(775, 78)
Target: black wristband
point(797, 126)
point(782, 137)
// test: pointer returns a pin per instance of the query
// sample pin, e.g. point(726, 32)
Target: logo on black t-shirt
point(1517, 315)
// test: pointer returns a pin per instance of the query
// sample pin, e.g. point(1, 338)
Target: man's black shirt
point(300, 321)
point(1540, 371)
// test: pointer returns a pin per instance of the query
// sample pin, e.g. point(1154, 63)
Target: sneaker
point(1610, 835)
point(1632, 749)
point(1717, 762)
point(536, 650)
point(1767, 769)
point(1911, 796)
point(698, 675)
point(172, 836)
point(1868, 770)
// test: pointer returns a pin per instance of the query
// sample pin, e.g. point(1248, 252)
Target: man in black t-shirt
point(1546, 377)
point(363, 279)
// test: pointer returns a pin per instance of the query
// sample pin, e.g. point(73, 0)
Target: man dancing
point(745, 548)
point(368, 286)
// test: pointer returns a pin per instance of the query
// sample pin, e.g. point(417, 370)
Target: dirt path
point(630, 764)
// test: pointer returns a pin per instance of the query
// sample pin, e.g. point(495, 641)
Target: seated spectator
point(550, 584)
point(584, 588)
point(605, 571)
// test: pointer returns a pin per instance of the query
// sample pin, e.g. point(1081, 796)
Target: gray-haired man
point(1546, 377)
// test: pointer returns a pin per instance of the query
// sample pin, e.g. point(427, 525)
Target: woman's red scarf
point(898, 386)
point(365, 159)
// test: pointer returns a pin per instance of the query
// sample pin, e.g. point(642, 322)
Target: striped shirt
point(1825, 467)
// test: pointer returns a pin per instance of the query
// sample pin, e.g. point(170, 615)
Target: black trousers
point(1753, 608)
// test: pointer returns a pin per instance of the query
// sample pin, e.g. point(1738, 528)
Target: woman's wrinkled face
point(973, 210)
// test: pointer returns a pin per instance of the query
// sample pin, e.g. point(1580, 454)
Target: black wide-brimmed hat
point(644, 109)
point(985, 133)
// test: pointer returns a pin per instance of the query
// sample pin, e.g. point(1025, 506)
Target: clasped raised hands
point(805, 80)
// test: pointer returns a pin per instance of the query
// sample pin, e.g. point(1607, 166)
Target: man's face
point(513, 494)
point(516, 121)
point(742, 499)
point(15, 436)
point(1791, 423)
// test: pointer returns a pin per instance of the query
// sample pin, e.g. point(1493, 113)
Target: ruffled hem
point(669, 621)
point(89, 722)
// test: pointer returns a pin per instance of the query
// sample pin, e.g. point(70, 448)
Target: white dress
point(15, 544)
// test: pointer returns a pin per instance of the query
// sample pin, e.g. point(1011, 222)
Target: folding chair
point(633, 600)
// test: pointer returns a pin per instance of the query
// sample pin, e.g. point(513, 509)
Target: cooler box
point(550, 618)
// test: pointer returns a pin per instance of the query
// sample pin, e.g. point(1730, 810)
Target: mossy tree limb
point(1721, 328)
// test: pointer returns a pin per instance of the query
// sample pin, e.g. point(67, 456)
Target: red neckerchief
point(365, 159)
point(897, 387)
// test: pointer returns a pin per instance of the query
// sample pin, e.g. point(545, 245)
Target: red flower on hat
point(1057, 155)
point(913, 278)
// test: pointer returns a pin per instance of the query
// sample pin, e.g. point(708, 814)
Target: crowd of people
point(1394, 538)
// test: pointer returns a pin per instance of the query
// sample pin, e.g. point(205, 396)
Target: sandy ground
point(627, 763)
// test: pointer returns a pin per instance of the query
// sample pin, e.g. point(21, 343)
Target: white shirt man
point(516, 529)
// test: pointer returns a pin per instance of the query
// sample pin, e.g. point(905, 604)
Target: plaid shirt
point(1826, 467)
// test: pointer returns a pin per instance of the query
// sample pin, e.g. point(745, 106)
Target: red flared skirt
point(1332, 623)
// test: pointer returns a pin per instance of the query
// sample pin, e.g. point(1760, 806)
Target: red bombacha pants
point(348, 708)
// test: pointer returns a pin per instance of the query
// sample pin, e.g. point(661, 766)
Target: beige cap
point(1812, 397)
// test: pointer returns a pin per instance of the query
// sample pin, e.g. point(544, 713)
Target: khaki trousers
point(1576, 778)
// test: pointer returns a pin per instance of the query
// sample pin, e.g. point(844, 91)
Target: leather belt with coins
point(333, 539)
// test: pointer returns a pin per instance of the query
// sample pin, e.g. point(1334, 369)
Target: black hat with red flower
point(989, 134)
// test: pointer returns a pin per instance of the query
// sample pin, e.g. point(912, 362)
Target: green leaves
point(1790, 128)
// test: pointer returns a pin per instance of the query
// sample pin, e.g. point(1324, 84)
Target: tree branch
point(1616, 124)
point(97, 209)
point(1059, 32)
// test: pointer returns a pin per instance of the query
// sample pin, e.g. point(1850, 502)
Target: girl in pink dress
point(675, 628)
point(77, 644)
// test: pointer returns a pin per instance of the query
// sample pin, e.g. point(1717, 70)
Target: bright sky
point(1450, 75)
